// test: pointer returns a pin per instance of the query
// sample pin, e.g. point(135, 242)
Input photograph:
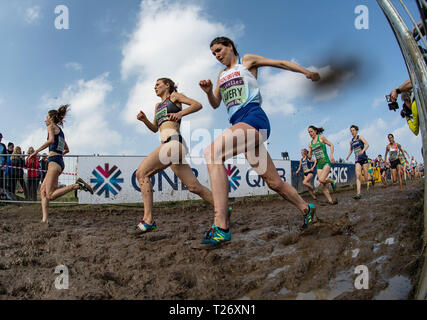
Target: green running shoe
point(84, 186)
point(143, 227)
point(214, 236)
point(308, 217)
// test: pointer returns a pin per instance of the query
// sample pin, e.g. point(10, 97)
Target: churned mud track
point(268, 257)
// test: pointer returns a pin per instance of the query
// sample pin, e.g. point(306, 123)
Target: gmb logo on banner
point(102, 178)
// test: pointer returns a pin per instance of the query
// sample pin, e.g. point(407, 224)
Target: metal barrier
point(20, 181)
point(418, 73)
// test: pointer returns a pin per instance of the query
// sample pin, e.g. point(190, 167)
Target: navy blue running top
point(358, 146)
point(163, 109)
point(306, 164)
point(58, 145)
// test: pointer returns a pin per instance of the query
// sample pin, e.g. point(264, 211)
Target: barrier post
point(418, 73)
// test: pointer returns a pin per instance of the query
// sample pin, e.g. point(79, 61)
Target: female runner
point(238, 88)
point(49, 190)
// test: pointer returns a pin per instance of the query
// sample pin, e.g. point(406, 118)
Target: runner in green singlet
point(318, 147)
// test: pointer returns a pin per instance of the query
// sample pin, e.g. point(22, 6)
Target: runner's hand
point(32, 155)
point(175, 116)
point(332, 160)
point(206, 85)
point(314, 76)
point(141, 116)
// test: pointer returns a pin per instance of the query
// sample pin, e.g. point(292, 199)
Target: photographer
point(409, 108)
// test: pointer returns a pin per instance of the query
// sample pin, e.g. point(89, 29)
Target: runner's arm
point(66, 149)
point(314, 165)
point(299, 167)
point(365, 143)
point(194, 106)
point(309, 155)
point(150, 125)
point(214, 97)
point(351, 149)
point(253, 61)
point(50, 140)
point(326, 141)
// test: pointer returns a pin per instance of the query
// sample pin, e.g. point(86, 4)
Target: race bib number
point(393, 155)
point(61, 144)
point(357, 151)
point(318, 153)
point(161, 114)
point(233, 91)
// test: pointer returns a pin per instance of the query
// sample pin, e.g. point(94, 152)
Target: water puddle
point(398, 289)
point(341, 284)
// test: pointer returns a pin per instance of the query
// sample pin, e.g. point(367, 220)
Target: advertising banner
point(343, 174)
point(114, 180)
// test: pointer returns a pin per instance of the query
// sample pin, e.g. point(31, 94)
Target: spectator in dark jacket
point(8, 170)
point(2, 163)
point(18, 165)
point(44, 163)
point(33, 176)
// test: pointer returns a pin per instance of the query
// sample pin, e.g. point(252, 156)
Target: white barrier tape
point(32, 169)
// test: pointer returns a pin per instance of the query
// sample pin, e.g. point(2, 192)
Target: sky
point(106, 63)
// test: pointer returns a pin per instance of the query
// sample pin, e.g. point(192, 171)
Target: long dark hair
point(59, 115)
point(317, 130)
point(226, 42)
point(172, 85)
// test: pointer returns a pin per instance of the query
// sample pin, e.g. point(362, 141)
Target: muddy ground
point(268, 257)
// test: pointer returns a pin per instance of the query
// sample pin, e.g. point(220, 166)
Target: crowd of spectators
point(18, 173)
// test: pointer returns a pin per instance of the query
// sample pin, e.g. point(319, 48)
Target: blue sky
point(106, 65)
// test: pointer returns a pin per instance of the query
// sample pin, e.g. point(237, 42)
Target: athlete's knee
point(49, 196)
point(141, 174)
point(323, 181)
point(194, 188)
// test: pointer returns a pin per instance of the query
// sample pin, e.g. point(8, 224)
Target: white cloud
point(171, 43)
point(86, 128)
point(32, 15)
point(73, 66)
point(378, 102)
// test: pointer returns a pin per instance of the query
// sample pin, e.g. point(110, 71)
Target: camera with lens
point(406, 112)
point(392, 105)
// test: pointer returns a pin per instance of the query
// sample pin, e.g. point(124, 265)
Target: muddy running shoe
point(214, 237)
point(84, 186)
point(357, 196)
point(308, 217)
point(334, 202)
point(143, 227)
